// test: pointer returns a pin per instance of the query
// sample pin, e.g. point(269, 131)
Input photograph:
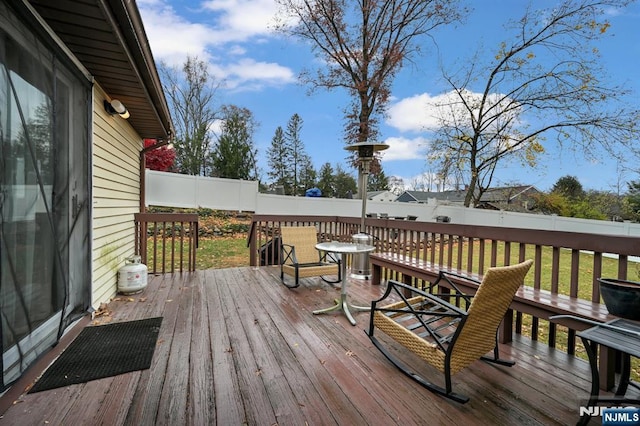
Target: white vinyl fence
point(175, 190)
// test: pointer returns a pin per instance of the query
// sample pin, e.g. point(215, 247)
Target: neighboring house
point(69, 170)
point(381, 196)
point(453, 197)
point(510, 198)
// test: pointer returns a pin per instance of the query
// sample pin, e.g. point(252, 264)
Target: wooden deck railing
point(167, 242)
point(564, 262)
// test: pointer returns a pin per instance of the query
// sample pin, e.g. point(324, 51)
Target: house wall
point(116, 194)
point(387, 196)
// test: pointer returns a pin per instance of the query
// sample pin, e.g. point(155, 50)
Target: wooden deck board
point(202, 410)
point(237, 347)
point(302, 399)
point(228, 401)
point(172, 408)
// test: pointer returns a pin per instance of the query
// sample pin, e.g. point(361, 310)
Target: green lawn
point(216, 253)
point(585, 268)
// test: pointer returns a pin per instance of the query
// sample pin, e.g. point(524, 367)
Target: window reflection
point(43, 166)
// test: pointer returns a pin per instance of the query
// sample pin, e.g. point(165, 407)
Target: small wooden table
point(344, 249)
point(623, 336)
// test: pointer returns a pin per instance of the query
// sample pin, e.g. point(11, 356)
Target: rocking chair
point(299, 257)
point(442, 333)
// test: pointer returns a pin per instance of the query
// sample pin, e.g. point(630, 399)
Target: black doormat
point(103, 351)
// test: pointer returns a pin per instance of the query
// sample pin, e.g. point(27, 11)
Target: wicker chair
point(300, 259)
point(442, 333)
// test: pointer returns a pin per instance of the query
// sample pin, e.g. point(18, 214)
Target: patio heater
point(360, 263)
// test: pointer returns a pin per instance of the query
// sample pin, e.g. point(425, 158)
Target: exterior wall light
point(116, 107)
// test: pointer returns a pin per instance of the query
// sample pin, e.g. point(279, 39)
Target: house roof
point(372, 194)
point(424, 196)
point(490, 196)
point(506, 193)
point(108, 38)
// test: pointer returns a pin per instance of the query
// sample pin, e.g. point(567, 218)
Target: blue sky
point(259, 71)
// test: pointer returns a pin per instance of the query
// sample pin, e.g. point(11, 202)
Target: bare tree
point(547, 81)
point(362, 45)
point(190, 94)
point(396, 185)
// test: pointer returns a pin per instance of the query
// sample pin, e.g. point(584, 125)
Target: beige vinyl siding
point(116, 192)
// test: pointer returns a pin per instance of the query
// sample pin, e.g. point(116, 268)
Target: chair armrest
point(401, 290)
point(444, 275)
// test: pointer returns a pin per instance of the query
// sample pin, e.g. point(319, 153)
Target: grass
point(212, 253)
point(585, 272)
point(585, 285)
point(226, 252)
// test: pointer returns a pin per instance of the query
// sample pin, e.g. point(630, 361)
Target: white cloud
point(173, 37)
point(215, 127)
point(244, 18)
point(250, 69)
point(425, 113)
point(236, 50)
point(414, 114)
point(248, 74)
point(405, 149)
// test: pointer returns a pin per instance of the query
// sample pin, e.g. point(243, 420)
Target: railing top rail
point(166, 217)
point(615, 244)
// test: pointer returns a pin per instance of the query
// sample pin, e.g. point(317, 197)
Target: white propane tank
point(132, 277)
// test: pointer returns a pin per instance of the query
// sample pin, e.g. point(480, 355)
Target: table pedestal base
point(345, 249)
point(345, 306)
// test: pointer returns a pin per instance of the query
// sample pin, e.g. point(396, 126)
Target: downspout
point(143, 166)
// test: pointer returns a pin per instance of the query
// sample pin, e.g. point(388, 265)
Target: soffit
point(108, 38)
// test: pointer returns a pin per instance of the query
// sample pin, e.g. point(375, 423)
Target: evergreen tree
point(570, 187)
point(345, 184)
point(298, 157)
point(633, 200)
point(326, 181)
point(234, 156)
point(378, 181)
point(279, 162)
point(308, 174)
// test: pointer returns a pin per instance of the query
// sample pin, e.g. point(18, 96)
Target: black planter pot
point(621, 297)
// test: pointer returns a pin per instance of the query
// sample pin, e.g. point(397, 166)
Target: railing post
point(505, 331)
point(253, 246)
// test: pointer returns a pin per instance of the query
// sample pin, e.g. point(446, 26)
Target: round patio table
point(344, 249)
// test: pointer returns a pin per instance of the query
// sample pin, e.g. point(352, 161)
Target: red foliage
point(160, 159)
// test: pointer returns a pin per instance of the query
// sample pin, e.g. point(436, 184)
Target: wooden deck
point(236, 347)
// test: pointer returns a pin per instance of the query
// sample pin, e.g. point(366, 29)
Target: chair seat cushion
point(311, 270)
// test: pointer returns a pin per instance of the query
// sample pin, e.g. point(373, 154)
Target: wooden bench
point(536, 302)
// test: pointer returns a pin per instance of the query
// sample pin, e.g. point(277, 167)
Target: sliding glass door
point(44, 193)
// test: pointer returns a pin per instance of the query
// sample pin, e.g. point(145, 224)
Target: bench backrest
point(304, 239)
point(488, 307)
